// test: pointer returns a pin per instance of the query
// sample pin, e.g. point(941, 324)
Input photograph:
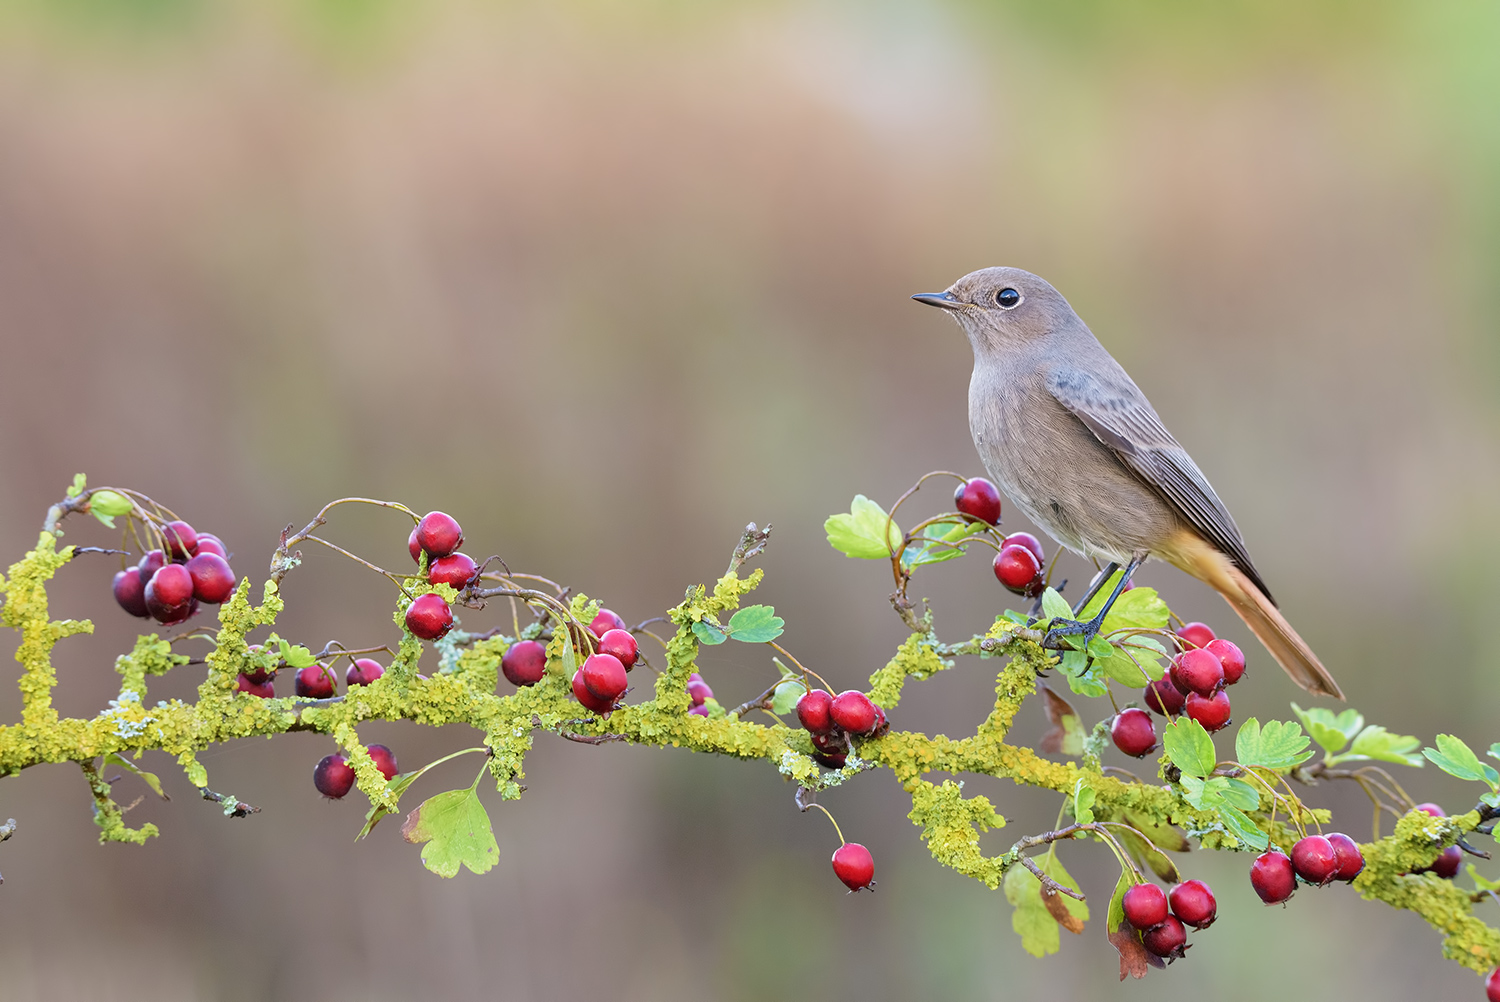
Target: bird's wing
point(1120, 417)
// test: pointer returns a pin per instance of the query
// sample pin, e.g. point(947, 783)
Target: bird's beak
point(942, 300)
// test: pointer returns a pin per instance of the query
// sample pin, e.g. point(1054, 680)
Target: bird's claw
point(1060, 628)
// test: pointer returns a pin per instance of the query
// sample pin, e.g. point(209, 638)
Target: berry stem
point(836, 827)
point(801, 667)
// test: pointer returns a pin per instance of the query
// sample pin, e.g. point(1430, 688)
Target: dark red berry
point(853, 711)
point(1432, 809)
point(813, 709)
point(439, 534)
point(1492, 986)
point(604, 676)
point(1197, 671)
point(384, 759)
point(1231, 657)
point(456, 569)
point(1194, 904)
point(1212, 713)
point(698, 711)
point(1350, 860)
point(1314, 860)
point(524, 663)
point(315, 682)
point(429, 616)
point(1145, 906)
point(1272, 877)
point(181, 540)
point(1029, 541)
point(169, 594)
point(130, 592)
point(699, 692)
point(150, 564)
point(1167, 940)
point(413, 547)
point(854, 865)
point(333, 777)
point(604, 622)
point(830, 749)
point(978, 498)
point(265, 688)
point(588, 699)
point(1018, 569)
point(209, 543)
point(363, 671)
point(213, 581)
point(1446, 865)
point(1164, 697)
point(1133, 732)
point(622, 645)
point(1196, 635)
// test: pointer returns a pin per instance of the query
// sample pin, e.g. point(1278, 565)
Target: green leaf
point(1083, 802)
point(934, 552)
point(1242, 828)
point(1189, 747)
point(862, 532)
point(1375, 742)
point(1054, 606)
point(1278, 746)
point(1492, 798)
point(784, 697)
point(1164, 836)
point(1240, 794)
point(709, 632)
point(79, 483)
point(1481, 882)
point(1117, 901)
point(1204, 794)
point(1136, 609)
point(1457, 759)
point(295, 656)
point(105, 505)
point(1031, 921)
point(1149, 854)
point(1119, 667)
point(1100, 649)
point(1331, 732)
point(756, 624)
point(150, 778)
point(457, 831)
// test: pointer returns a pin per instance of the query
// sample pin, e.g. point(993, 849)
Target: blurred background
point(607, 281)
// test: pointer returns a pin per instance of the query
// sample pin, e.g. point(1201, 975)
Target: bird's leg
point(1094, 587)
point(1089, 629)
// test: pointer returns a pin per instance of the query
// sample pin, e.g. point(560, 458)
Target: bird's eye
point(1007, 298)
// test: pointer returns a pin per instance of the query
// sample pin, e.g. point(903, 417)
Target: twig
point(752, 542)
point(233, 806)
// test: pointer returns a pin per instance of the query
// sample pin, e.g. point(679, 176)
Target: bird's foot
point(1060, 628)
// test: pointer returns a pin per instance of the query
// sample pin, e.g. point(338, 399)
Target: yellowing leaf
point(457, 831)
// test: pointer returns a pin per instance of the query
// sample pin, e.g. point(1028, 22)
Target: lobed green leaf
point(1279, 745)
point(862, 532)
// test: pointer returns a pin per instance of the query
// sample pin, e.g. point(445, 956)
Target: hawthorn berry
point(169, 595)
point(698, 711)
point(456, 569)
point(333, 777)
point(622, 645)
point(1446, 865)
point(1029, 541)
point(413, 546)
point(384, 759)
point(1133, 733)
point(1197, 635)
point(604, 676)
point(605, 621)
point(524, 663)
point(263, 688)
point(1314, 859)
point(1432, 809)
point(1019, 570)
point(181, 540)
point(698, 690)
point(813, 711)
point(1168, 940)
point(1145, 906)
point(315, 682)
point(1272, 877)
point(978, 498)
point(429, 616)
point(830, 749)
point(1492, 986)
point(150, 564)
point(1164, 697)
point(438, 533)
point(853, 711)
point(1193, 902)
point(1231, 657)
point(130, 592)
point(209, 543)
point(854, 865)
point(588, 699)
point(1212, 713)
point(363, 671)
point(213, 580)
point(1197, 671)
point(1346, 851)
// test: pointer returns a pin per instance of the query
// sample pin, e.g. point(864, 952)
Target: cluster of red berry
point(1316, 859)
point(168, 584)
point(1018, 565)
point(1192, 904)
point(439, 536)
point(600, 683)
point(334, 777)
point(831, 720)
point(1194, 685)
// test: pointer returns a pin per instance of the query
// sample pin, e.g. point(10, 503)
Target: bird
point(1067, 435)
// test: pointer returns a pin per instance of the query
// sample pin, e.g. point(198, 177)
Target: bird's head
point(1002, 309)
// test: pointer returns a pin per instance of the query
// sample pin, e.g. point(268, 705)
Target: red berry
point(1446, 865)
point(1145, 906)
point(1194, 903)
point(1492, 986)
point(181, 540)
point(813, 711)
point(130, 592)
point(699, 692)
point(385, 760)
point(1029, 541)
point(854, 865)
point(1167, 940)
point(604, 676)
point(209, 543)
point(263, 688)
point(1196, 635)
point(150, 564)
point(1432, 809)
point(169, 594)
point(363, 671)
point(456, 569)
point(333, 777)
point(1272, 877)
point(429, 617)
point(1212, 713)
point(604, 622)
point(1133, 733)
point(1018, 569)
point(978, 498)
point(588, 699)
point(1164, 697)
point(315, 682)
point(1350, 860)
point(1314, 860)
point(1197, 671)
point(524, 663)
point(213, 581)
point(830, 749)
point(413, 547)
point(698, 711)
point(622, 645)
point(1231, 657)
point(853, 711)
point(439, 534)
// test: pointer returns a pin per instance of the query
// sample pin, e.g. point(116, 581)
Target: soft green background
point(609, 280)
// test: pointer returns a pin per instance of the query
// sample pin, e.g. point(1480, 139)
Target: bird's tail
point(1197, 557)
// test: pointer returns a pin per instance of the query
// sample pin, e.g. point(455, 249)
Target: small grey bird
point(1075, 444)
